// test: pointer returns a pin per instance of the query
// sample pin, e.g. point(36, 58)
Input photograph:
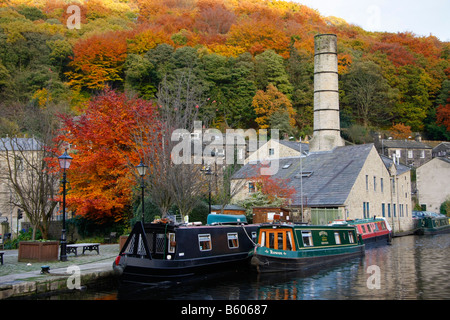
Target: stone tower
point(326, 95)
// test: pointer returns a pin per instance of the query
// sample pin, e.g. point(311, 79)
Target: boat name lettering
point(277, 252)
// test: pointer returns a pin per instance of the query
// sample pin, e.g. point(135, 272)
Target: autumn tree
point(266, 103)
point(443, 115)
point(102, 175)
point(98, 61)
point(400, 131)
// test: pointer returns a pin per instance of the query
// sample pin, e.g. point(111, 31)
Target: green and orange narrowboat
point(289, 247)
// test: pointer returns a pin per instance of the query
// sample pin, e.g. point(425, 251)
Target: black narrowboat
point(165, 250)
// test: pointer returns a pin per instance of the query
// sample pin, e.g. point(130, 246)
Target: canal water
point(412, 267)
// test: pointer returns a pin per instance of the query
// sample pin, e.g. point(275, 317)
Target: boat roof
point(218, 218)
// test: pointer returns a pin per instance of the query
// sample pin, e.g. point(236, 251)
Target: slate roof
point(328, 177)
point(401, 168)
point(295, 145)
point(405, 144)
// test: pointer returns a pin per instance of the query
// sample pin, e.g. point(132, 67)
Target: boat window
point(307, 238)
point(262, 241)
point(204, 241)
point(350, 237)
point(363, 229)
point(172, 243)
point(272, 240)
point(254, 236)
point(280, 236)
point(233, 241)
point(160, 242)
point(368, 228)
point(289, 245)
point(337, 238)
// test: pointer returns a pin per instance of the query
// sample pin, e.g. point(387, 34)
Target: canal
point(413, 267)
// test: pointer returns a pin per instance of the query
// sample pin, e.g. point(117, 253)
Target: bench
point(73, 248)
point(1, 257)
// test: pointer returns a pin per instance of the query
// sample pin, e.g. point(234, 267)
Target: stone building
point(14, 153)
point(433, 183)
point(346, 183)
point(410, 152)
point(333, 181)
point(442, 150)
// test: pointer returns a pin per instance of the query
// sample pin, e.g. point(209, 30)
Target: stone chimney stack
point(327, 128)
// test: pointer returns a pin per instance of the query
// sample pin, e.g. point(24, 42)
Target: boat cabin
point(292, 238)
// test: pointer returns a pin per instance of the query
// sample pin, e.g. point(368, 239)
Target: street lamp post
point(207, 171)
point(142, 169)
point(64, 163)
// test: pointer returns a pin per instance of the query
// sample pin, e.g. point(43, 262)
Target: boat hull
point(378, 240)
point(164, 252)
point(431, 231)
point(265, 260)
point(149, 271)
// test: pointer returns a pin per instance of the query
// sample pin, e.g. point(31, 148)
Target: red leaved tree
point(101, 176)
point(443, 115)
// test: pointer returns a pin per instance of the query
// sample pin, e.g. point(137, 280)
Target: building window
point(367, 182)
point(271, 151)
point(389, 210)
point(395, 211)
point(374, 183)
point(204, 241)
point(422, 154)
point(383, 209)
point(366, 210)
point(381, 185)
point(251, 187)
point(410, 154)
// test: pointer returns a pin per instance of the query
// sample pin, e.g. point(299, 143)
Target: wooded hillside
point(251, 61)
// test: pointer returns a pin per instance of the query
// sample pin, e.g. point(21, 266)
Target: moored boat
point(374, 231)
point(289, 247)
point(168, 251)
point(430, 223)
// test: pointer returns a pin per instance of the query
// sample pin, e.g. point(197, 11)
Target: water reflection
point(412, 267)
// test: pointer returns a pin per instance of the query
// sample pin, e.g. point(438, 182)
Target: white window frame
point(206, 237)
point(231, 238)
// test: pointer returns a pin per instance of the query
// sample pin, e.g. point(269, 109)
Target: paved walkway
point(22, 278)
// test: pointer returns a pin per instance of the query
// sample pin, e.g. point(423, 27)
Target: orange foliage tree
point(266, 103)
point(101, 176)
point(98, 61)
point(400, 131)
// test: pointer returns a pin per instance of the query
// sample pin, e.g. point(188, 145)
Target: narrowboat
point(165, 250)
point(289, 247)
point(430, 223)
point(374, 231)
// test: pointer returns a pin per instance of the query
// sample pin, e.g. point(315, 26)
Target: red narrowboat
point(373, 231)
